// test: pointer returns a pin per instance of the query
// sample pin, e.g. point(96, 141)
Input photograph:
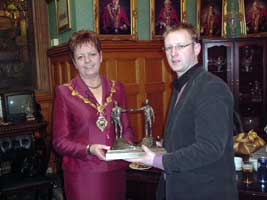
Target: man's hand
point(147, 159)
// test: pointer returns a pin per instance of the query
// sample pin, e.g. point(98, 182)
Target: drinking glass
point(247, 172)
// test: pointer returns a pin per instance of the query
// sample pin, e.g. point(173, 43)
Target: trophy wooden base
point(135, 152)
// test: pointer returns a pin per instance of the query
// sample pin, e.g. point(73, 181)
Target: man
point(199, 163)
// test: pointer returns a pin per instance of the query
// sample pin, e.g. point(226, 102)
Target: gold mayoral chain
point(101, 121)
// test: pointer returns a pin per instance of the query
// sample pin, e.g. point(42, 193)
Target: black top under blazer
point(199, 163)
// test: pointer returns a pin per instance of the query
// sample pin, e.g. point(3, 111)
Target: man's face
point(181, 51)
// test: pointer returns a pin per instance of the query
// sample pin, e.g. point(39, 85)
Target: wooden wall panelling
point(123, 70)
point(63, 72)
point(169, 76)
point(40, 20)
point(41, 43)
point(61, 67)
point(45, 100)
point(154, 87)
point(127, 67)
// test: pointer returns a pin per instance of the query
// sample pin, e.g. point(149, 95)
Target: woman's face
point(87, 60)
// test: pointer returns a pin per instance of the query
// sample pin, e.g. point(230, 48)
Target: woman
point(82, 125)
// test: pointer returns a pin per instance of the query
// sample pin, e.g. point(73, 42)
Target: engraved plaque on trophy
point(121, 149)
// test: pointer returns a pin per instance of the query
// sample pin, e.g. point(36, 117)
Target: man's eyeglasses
point(177, 47)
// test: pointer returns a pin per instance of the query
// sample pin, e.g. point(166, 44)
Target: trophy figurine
point(120, 142)
point(121, 149)
point(148, 140)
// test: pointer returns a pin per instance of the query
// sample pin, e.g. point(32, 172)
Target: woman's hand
point(99, 150)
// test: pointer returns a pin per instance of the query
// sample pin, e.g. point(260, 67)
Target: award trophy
point(121, 149)
point(120, 142)
point(148, 140)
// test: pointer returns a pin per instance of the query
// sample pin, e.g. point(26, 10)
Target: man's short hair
point(183, 26)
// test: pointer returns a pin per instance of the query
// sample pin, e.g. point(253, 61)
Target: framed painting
point(115, 19)
point(165, 14)
point(233, 20)
point(63, 15)
point(255, 17)
point(210, 18)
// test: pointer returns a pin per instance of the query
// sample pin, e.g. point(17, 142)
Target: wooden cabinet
point(24, 158)
point(23, 149)
point(24, 40)
point(241, 63)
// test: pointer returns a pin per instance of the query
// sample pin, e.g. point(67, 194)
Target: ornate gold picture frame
point(210, 19)
point(63, 15)
point(255, 17)
point(115, 21)
point(164, 14)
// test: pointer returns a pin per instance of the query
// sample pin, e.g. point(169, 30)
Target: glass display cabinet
point(241, 63)
point(218, 59)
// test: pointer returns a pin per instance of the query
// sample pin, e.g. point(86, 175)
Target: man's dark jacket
point(199, 140)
